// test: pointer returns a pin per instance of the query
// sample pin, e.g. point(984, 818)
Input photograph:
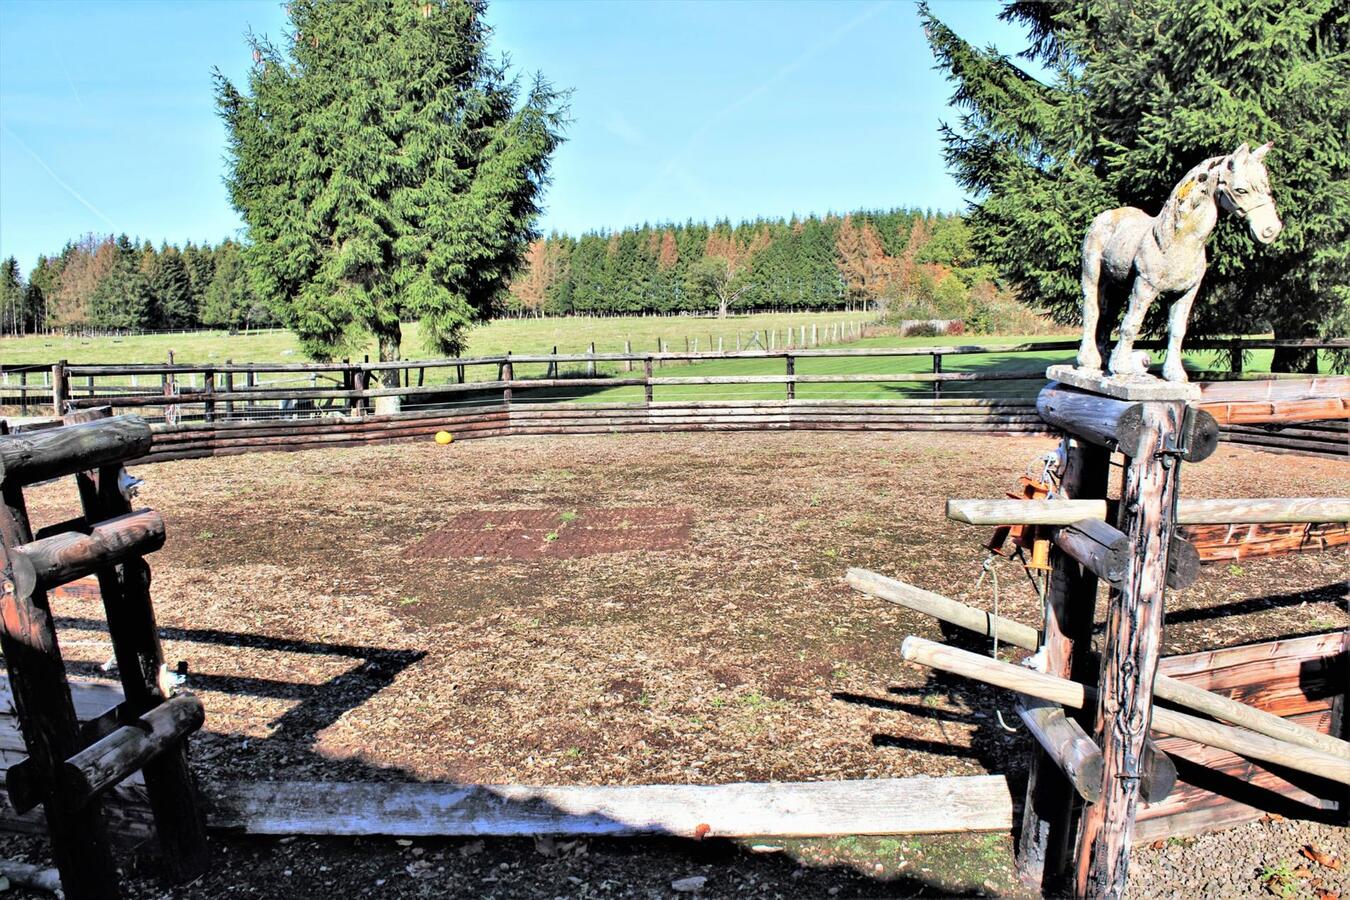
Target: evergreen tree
point(121, 301)
point(1140, 92)
point(42, 283)
point(386, 167)
point(13, 301)
point(171, 289)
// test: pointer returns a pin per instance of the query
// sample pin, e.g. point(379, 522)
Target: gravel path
point(1259, 859)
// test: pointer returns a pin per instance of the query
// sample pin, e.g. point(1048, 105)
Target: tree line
point(904, 263)
point(102, 283)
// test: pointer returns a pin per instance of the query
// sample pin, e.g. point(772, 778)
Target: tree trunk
point(389, 341)
point(1294, 359)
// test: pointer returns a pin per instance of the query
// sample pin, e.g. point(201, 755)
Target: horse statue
point(1165, 254)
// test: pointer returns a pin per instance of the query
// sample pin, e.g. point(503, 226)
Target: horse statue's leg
point(1123, 362)
point(1177, 318)
point(1089, 357)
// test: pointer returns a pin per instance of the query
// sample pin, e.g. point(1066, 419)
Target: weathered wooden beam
point(1165, 687)
point(39, 455)
point(106, 762)
point(1104, 551)
point(1100, 548)
point(1065, 742)
point(782, 809)
point(1119, 424)
point(939, 607)
point(62, 558)
point(1166, 721)
point(1270, 510)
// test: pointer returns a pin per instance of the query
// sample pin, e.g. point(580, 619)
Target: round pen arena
point(702, 626)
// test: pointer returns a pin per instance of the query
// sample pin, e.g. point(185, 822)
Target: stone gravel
point(1259, 859)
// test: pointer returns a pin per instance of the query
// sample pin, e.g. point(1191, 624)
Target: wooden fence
point(209, 409)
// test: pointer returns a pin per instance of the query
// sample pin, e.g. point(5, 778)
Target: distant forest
point(903, 264)
point(106, 284)
point(906, 264)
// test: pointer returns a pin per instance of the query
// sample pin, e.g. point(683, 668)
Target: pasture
point(570, 335)
point(620, 610)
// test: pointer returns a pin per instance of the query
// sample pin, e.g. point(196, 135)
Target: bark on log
point(1065, 742)
point(65, 557)
point(111, 759)
point(39, 455)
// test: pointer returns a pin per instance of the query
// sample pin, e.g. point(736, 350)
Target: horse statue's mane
point(1185, 197)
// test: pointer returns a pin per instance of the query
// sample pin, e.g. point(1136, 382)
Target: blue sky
point(681, 110)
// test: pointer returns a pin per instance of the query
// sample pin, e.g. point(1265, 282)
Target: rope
point(988, 569)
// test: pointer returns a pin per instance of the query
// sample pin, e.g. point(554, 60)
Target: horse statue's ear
point(1260, 152)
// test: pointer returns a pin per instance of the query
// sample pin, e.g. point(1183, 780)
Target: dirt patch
point(556, 533)
point(326, 648)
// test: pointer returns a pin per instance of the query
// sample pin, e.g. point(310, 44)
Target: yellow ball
point(444, 437)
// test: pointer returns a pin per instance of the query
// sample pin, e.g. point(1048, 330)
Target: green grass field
point(569, 335)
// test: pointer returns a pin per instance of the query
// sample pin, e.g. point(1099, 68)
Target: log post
point(1052, 810)
point(125, 588)
point(1132, 646)
point(50, 730)
point(229, 389)
point(791, 373)
point(937, 370)
point(647, 380)
point(209, 388)
point(60, 391)
point(507, 376)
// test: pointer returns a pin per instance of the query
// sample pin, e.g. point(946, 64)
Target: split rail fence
point(202, 410)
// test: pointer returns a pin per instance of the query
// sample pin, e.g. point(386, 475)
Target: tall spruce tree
point(171, 290)
point(1138, 93)
point(13, 306)
point(387, 167)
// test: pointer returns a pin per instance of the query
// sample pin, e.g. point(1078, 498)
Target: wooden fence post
point(1052, 809)
point(628, 350)
point(937, 370)
point(507, 375)
point(250, 381)
point(60, 392)
point(140, 663)
point(647, 379)
point(1130, 653)
point(209, 388)
point(791, 371)
point(229, 389)
point(590, 363)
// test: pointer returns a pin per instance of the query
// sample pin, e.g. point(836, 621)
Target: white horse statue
point(1165, 254)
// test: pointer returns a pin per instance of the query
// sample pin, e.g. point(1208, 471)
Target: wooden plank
point(1189, 512)
point(917, 805)
point(1215, 543)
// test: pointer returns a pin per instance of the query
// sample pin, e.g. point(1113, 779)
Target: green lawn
point(569, 335)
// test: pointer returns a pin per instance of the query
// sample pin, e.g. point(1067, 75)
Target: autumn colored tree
point(726, 257)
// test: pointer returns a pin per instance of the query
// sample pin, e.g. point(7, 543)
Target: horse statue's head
point(1244, 190)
